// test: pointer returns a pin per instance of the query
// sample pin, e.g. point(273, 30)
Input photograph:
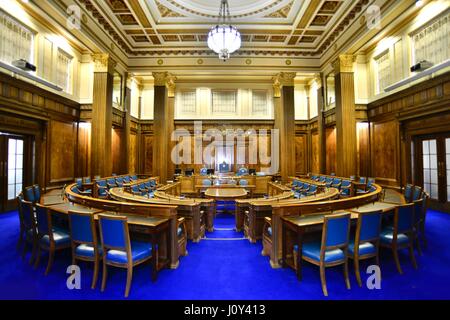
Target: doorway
point(433, 168)
point(12, 169)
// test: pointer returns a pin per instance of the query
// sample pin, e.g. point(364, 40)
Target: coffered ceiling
point(180, 27)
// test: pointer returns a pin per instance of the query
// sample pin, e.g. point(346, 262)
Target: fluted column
point(320, 124)
point(125, 154)
point(284, 106)
point(101, 135)
point(345, 116)
point(164, 104)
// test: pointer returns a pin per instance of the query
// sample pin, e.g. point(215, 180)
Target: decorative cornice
point(103, 63)
point(344, 63)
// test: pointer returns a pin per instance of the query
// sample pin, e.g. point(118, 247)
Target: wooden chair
point(367, 240)
point(267, 236)
point(346, 189)
point(119, 251)
point(84, 241)
point(50, 238)
point(417, 193)
point(28, 194)
point(401, 234)
point(28, 232)
point(332, 250)
point(37, 192)
point(407, 192)
point(420, 209)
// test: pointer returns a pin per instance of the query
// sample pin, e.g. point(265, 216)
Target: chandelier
point(224, 39)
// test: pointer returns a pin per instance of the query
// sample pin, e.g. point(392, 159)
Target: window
point(15, 167)
point(383, 71)
point(16, 41)
point(431, 42)
point(224, 101)
point(430, 168)
point(259, 102)
point(188, 101)
point(64, 62)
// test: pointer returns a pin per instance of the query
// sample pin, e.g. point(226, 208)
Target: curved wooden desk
point(225, 193)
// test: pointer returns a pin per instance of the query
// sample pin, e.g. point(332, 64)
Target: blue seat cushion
point(139, 251)
point(387, 235)
point(364, 248)
point(61, 237)
point(312, 250)
point(86, 250)
point(269, 231)
point(179, 231)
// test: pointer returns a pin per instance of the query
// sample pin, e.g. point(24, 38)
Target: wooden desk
point(375, 206)
point(157, 229)
point(48, 200)
point(226, 193)
point(65, 207)
point(393, 196)
point(299, 225)
point(250, 187)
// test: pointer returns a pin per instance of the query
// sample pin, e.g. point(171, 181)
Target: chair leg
point(323, 281)
point(51, 257)
point(95, 276)
point(38, 258)
point(419, 249)
point(105, 274)
point(129, 278)
point(397, 261)
point(347, 280)
point(357, 274)
point(412, 256)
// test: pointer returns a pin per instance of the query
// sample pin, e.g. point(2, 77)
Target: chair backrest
point(306, 186)
point(314, 177)
point(87, 179)
point(362, 179)
point(79, 182)
point(119, 180)
point(152, 182)
point(368, 227)
point(44, 221)
point(313, 188)
point(126, 179)
point(336, 181)
point(370, 181)
point(82, 227)
point(407, 193)
point(29, 221)
point(295, 182)
point(417, 193)
point(322, 179)
point(114, 232)
point(101, 183)
point(346, 183)
point(147, 184)
point(419, 210)
point(135, 188)
point(243, 182)
point(111, 181)
point(134, 177)
point(336, 230)
point(403, 218)
point(29, 194)
point(37, 192)
point(206, 182)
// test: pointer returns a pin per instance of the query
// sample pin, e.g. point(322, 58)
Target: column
point(101, 135)
point(163, 123)
point(321, 124)
point(345, 116)
point(284, 107)
point(125, 139)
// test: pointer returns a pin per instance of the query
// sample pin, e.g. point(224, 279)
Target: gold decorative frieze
point(103, 63)
point(344, 63)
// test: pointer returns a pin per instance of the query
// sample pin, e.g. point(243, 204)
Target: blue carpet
point(228, 270)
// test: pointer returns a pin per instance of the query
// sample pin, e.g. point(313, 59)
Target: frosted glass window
point(259, 102)
point(430, 172)
point(224, 101)
point(16, 40)
point(63, 66)
point(431, 42)
point(383, 68)
point(188, 101)
point(15, 167)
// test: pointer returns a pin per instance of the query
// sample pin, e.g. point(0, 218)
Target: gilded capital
point(318, 80)
point(280, 80)
point(165, 79)
point(103, 63)
point(344, 63)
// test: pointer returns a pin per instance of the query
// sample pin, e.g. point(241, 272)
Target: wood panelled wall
point(330, 134)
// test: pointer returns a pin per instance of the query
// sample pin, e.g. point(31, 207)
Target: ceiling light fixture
point(224, 39)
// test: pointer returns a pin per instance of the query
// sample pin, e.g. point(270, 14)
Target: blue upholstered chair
point(312, 190)
point(420, 210)
point(224, 167)
point(49, 238)
point(206, 182)
point(328, 182)
point(242, 171)
point(346, 187)
point(362, 180)
point(134, 177)
point(79, 182)
point(148, 185)
point(332, 250)
point(111, 183)
point(336, 183)
point(153, 183)
point(243, 182)
point(314, 177)
point(305, 188)
point(119, 251)
point(407, 192)
point(401, 234)
point(322, 179)
point(126, 179)
point(28, 194)
point(203, 171)
point(119, 182)
point(367, 240)
point(135, 190)
point(417, 193)
point(84, 241)
point(102, 188)
point(87, 180)
point(37, 192)
point(28, 231)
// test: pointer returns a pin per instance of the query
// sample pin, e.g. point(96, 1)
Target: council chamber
point(224, 150)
